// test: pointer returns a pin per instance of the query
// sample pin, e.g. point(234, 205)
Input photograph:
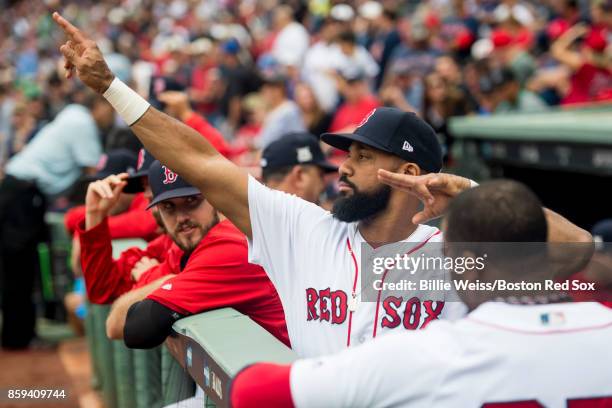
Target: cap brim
point(179, 192)
point(98, 176)
point(343, 141)
point(134, 183)
point(326, 166)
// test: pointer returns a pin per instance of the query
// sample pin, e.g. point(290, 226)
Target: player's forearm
point(574, 247)
point(115, 322)
point(175, 144)
point(560, 229)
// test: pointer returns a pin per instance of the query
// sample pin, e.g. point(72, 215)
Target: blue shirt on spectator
point(56, 156)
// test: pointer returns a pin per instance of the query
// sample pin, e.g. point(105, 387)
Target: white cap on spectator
point(342, 12)
point(370, 10)
point(519, 12)
point(482, 48)
point(200, 46)
point(116, 16)
point(175, 43)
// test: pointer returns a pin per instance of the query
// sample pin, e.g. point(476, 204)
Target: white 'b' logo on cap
point(169, 176)
point(407, 147)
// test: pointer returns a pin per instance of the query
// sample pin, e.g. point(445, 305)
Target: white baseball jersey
point(313, 260)
point(499, 356)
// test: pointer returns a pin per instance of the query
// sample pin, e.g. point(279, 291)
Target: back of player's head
point(496, 211)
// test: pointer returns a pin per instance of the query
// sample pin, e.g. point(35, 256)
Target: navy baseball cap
point(394, 131)
point(293, 149)
point(144, 161)
point(166, 184)
point(114, 162)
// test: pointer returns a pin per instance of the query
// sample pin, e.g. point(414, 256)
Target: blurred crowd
point(257, 69)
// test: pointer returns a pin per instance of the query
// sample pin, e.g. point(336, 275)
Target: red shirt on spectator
point(352, 114)
point(589, 83)
point(215, 138)
point(136, 222)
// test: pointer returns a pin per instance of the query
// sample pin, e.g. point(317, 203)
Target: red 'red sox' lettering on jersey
point(325, 305)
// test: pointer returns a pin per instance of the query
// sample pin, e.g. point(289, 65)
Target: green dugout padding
point(103, 354)
point(92, 345)
point(120, 245)
point(125, 385)
point(177, 385)
point(133, 378)
point(147, 378)
point(216, 345)
point(582, 126)
point(575, 141)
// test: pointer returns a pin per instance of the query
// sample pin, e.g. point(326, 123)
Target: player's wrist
point(94, 217)
point(106, 83)
point(128, 104)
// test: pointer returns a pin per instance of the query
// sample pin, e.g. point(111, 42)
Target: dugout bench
point(564, 155)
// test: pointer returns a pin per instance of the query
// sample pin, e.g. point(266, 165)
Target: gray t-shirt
point(54, 159)
point(286, 118)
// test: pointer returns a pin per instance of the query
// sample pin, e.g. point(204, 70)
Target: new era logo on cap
point(169, 176)
point(407, 147)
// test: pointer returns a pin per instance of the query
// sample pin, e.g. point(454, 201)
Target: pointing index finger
point(70, 30)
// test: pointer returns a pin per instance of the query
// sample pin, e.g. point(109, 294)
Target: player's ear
point(298, 177)
point(411, 169)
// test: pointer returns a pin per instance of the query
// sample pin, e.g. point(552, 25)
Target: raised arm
point(171, 142)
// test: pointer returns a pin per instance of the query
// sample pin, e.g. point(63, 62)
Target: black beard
point(360, 206)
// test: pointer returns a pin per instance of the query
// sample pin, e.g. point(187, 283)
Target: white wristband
point(128, 104)
point(473, 183)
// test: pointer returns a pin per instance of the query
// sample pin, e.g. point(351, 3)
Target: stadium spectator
point(591, 78)
point(511, 97)
point(283, 114)
point(358, 101)
point(239, 79)
point(291, 40)
point(176, 104)
point(319, 63)
point(442, 101)
point(296, 165)
point(46, 168)
point(349, 56)
point(316, 120)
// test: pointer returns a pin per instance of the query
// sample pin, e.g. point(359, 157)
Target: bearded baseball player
point(312, 256)
point(501, 355)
